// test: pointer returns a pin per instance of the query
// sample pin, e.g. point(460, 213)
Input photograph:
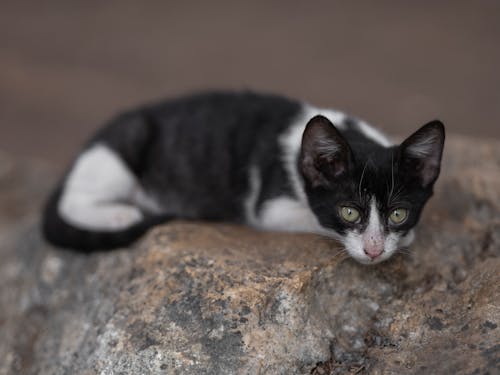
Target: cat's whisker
point(344, 258)
point(339, 256)
point(406, 252)
point(397, 194)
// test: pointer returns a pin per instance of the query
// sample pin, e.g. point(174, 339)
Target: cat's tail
point(60, 233)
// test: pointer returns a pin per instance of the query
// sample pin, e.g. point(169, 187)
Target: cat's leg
point(99, 192)
point(100, 203)
point(281, 213)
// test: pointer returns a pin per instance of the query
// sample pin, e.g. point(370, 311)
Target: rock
point(199, 298)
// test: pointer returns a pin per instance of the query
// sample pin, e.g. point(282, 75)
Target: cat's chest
point(286, 214)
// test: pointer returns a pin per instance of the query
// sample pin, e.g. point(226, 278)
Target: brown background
point(67, 67)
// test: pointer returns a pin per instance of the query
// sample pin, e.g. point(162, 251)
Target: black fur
point(193, 156)
point(367, 170)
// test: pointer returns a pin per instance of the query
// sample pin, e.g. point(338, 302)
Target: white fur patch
point(374, 230)
point(280, 214)
point(353, 243)
point(291, 141)
point(405, 241)
point(287, 214)
point(373, 134)
point(99, 192)
point(373, 235)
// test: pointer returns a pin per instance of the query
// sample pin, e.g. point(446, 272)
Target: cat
point(264, 160)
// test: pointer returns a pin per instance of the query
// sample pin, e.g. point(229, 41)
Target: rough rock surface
point(194, 298)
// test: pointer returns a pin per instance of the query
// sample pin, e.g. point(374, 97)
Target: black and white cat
point(263, 160)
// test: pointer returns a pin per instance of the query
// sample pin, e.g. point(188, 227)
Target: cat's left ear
point(325, 155)
point(421, 152)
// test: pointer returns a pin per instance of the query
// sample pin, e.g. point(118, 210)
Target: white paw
point(101, 217)
point(122, 217)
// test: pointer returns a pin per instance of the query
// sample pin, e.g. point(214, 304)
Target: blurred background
point(67, 67)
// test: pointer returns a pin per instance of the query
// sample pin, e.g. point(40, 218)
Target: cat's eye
point(398, 216)
point(349, 214)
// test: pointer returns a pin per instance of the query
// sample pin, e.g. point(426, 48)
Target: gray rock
point(197, 298)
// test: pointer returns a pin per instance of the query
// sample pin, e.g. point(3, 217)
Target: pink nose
point(373, 251)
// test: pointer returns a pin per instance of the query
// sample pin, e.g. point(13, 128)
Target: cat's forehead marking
point(374, 215)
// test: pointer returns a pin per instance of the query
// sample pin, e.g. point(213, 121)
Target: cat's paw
point(121, 217)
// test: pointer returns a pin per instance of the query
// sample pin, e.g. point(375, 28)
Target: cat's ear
point(325, 155)
point(421, 152)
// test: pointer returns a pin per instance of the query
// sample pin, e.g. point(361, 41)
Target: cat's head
point(370, 195)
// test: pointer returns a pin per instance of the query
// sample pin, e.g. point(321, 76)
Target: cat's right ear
point(422, 151)
point(325, 155)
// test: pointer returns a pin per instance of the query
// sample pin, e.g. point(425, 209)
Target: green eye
point(349, 214)
point(398, 215)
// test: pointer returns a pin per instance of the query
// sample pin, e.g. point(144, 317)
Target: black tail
point(60, 233)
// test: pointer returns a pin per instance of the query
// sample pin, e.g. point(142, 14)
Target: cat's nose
point(373, 251)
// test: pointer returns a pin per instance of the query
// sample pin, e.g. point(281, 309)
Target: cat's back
point(215, 124)
point(224, 113)
point(202, 146)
